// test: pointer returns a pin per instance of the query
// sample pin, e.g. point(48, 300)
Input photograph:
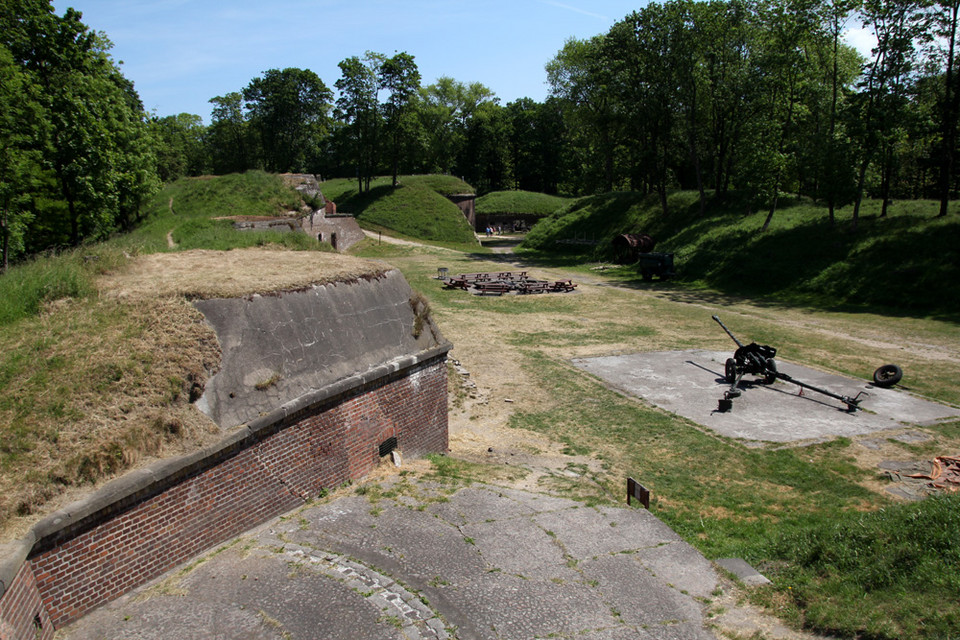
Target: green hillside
point(908, 261)
point(416, 208)
point(519, 202)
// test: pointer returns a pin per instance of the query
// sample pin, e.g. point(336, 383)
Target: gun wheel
point(770, 375)
point(730, 371)
point(887, 375)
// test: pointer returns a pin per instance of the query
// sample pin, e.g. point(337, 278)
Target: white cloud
point(862, 40)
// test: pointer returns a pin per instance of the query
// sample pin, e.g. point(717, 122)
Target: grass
point(90, 384)
point(878, 575)
point(188, 210)
point(416, 208)
point(724, 497)
point(26, 288)
point(906, 263)
point(519, 202)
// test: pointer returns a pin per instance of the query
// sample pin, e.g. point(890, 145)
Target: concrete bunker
point(316, 381)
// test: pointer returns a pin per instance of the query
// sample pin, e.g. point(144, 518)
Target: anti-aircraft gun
point(758, 359)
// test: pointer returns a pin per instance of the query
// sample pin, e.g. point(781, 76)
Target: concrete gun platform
point(689, 383)
point(429, 560)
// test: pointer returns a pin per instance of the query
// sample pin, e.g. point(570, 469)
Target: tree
point(359, 106)
point(486, 152)
point(898, 26)
point(228, 137)
point(787, 62)
point(946, 29)
point(20, 139)
point(98, 156)
point(181, 149)
point(401, 79)
point(581, 76)
point(289, 109)
point(444, 109)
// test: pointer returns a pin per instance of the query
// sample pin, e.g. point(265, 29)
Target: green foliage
point(525, 202)
point(289, 110)
point(95, 153)
point(27, 287)
point(896, 561)
point(908, 260)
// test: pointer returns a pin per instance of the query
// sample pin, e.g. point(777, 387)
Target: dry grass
point(107, 384)
point(236, 273)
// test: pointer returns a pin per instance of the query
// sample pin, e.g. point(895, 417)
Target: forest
point(753, 98)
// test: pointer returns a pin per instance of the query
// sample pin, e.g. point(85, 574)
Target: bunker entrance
point(388, 446)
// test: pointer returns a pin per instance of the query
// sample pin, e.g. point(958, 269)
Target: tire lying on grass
point(887, 375)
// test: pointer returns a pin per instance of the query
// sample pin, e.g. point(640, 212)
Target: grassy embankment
point(906, 263)
point(90, 384)
point(416, 209)
point(845, 557)
point(522, 202)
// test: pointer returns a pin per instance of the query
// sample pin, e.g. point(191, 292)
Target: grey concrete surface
point(689, 383)
point(430, 561)
point(743, 571)
point(277, 348)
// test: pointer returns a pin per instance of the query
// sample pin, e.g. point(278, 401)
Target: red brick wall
point(265, 475)
point(21, 613)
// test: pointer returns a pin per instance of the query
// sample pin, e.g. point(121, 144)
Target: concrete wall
point(467, 204)
point(153, 519)
point(322, 226)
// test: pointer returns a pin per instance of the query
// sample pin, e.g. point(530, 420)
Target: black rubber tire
point(887, 375)
point(730, 371)
point(771, 372)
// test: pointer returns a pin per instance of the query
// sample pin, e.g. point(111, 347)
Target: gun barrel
point(739, 344)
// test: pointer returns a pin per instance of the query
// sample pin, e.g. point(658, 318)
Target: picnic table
point(533, 286)
point(563, 285)
point(455, 283)
point(498, 288)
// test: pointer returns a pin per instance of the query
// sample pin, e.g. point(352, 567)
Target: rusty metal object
point(629, 246)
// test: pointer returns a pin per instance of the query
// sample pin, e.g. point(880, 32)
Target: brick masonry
point(70, 570)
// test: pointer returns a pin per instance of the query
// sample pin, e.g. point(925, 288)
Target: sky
point(181, 53)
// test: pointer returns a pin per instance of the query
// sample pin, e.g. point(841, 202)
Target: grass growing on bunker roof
point(93, 384)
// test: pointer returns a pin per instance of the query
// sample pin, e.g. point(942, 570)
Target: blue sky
point(181, 53)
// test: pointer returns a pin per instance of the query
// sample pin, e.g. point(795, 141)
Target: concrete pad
point(690, 383)
point(488, 563)
point(746, 573)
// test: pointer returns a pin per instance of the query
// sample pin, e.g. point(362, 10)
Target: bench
point(563, 285)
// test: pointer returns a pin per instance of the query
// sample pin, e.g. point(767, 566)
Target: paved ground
point(690, 384)
point(474, 562)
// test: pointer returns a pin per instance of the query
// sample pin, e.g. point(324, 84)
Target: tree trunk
point(861, 179)
point(6, 242)
point(949, 120)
